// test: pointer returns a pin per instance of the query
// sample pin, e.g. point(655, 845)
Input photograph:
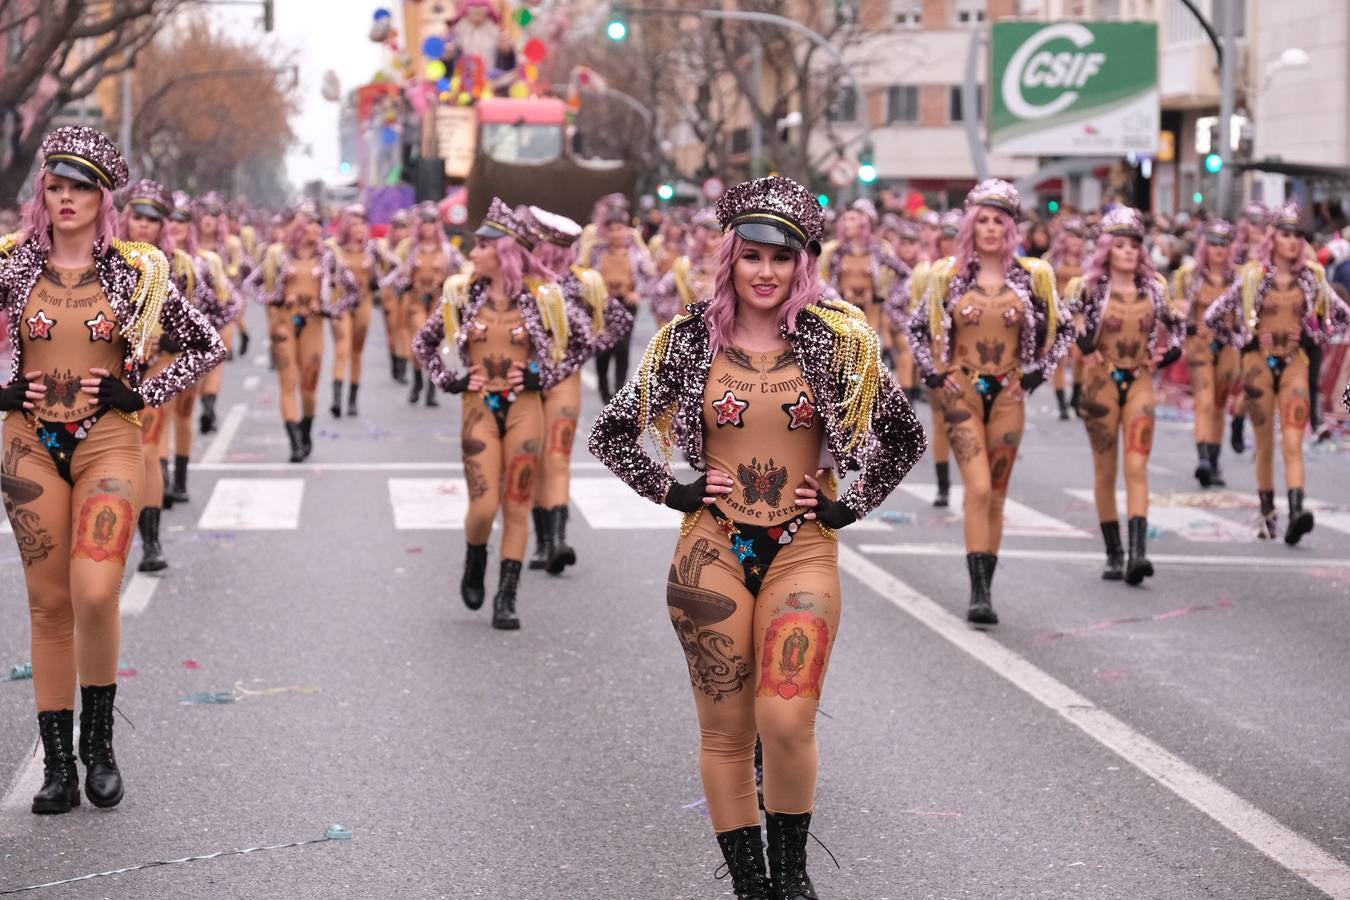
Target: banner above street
point(1074, 88)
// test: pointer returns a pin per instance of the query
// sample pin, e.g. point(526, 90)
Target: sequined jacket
point(400, 277)
point(203, 281)
point(340, 291)
point(267, 283)
point(120, 270)
point(868, 423)
point(645, 278)
point(1047, 330)
point(889, 274)
point(461, 302)
point(1234, 316)
point(595, 320)
point(1091, 301)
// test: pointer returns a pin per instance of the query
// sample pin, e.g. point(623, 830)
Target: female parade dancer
point(1213, 364)
point(989, 331)
point(690, 278)
point(82, 310)
point(754, 587)
point(1251, 231)
point(148, 206)
point(1279, 308)
point(425, 261)
point(349, 284)
point(902, 237)
point(1129, 332)
point(288, 283)
point(595, 322)
point(623, 262)
point(214, 237)
point(863, 269)
point(510, 343)
point(395, 330)
point(1066, 258)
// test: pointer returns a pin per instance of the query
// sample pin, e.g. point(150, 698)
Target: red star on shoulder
point(40, 327)
point(101, 328)
point(801, 414)
point(729, 410)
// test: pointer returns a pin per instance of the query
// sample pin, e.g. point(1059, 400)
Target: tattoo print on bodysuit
point(474, 478)
point(1140, 437)
point(762, 482)
point(1001, 458)
point(796, 645)
point(35, 542)
point(714, 669)
point(520, 477)
point(103, 531)
point(562, 433)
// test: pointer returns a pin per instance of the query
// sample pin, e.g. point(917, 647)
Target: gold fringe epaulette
point(185, 267)
point(272, 265)
point(218, 276)
point(918, 283)
point(553, 312)
point(1073, 289)
point(9, 243)
point(661, 423)
point(855, 362)
point(1043, 283)
point(940, 275)
point(595, 292)
point(454, 297)
point(1252, 274)
point(681, 268)
point(152, 288)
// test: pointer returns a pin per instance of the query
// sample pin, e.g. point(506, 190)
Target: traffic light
point(666, 191)
point(867, 171)
point(1053, 206)
point(1197, 198)
point(268, 15)
point(617, 29)
point(824, 200)
point(1213, 163)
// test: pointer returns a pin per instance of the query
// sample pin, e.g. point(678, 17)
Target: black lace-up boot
point(562, 555)
point(543, 538)
point(1076, 399)
point(1236, 439)
point(471, 588)
point(1300, 519)
point(102, 779)
point(179, 493)
point(1137, 567)
point(944, 484)
point(60, 779)
point(1062, 399)
point(1215, 472)
point(743, 850)
point(336, 408)
point(431, 394)
point(1115, 552)
point(416, 393)
point(352, 390)
point(504, 603)
point(787, 856)
point(207, 420)
point(307, 435)
point(293, 435)
point(1204, 468)
point(152, 554)
point(167, 501)
point(981, 568)
point(1269, 528)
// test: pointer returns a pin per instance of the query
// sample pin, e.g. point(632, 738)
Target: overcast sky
point(328, 34)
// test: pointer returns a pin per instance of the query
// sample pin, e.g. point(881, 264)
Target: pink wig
point(1264, 253)
point(965, 252)
point(165, 242)
point(38, 224)
point(1202, 259)
point(698, 244)
point(721, 313)
point(1059, 250)
point(516, 264)
point(554, 258)
point(864, 238)
point(1101, 262)
point(344, 230)
point(295, 237)
point(190, 245)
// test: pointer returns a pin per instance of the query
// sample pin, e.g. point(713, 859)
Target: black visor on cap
point(1218, 240)
point(149, 210)
point(759, 231)
point(490, 232)
point(76, 170)
point(181, 215)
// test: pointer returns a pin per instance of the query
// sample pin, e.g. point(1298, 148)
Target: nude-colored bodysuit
point(68, 328)
point(987, 329)
point(855, 279)
point(497, 340)
point(617, 270)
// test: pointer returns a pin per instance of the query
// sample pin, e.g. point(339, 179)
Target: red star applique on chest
point(40, 327)
point(101, 328)
point(520, 335)
point(729, 410)
point(477, 331)
point(1011, 316)
point(970, 314)
point(801, 414)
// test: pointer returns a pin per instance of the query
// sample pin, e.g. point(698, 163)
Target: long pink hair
point(165, 242)
point(554, 258)
point(698, 243)
point(344, 229)
point(190, 245)
point(38, 224)
point(721, 312)
point(965, 252)
point(516, 264)
point(864, 238)
point(1202, 259)
point(1265, 253)
point(1059, 249)
point(295, 238)
point(1101, 262)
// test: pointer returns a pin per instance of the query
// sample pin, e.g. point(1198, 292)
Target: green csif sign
point(1074, 88)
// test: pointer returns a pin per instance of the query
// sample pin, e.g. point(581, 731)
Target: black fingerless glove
point(833, 513)
point(532, 380)
point(1191, 329)
point(457, 385)
point(169, 344)
point(14, 395)
point(1172, 355)
point(1032, 380)
point(687, 497)
point(115, 394)
point(1308, 342)
point(1086, 344)
point(935, 381)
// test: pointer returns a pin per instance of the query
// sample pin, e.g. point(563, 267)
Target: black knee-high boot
point(471, 589)
point(504, 603)
point(102, 778)
point(944, 484)
point(981, 569)
point(543, 538)
point(1137, 567)
point(179, 493)
point(60, 779)
point(336, 408)
point(562, 554)
point(743, 850)
point(207, 420)
point(1115, 552)
point(152, 554)
point(1269, 528)
point(1204, 468)
point(1300, 519)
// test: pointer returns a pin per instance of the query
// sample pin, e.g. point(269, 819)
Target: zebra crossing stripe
point(254, 504)
point(1018, 519)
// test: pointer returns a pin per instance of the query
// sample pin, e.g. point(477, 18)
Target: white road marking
point(428, 503)
point(5, 527)
point(1098, 558)
point(19, 797)
point(136, 595)
point(260, 360)
point(299, 468)
point(228, 429)
point(609, 503)
point(1187, 522)
point(254, 504)
point(1019, 520)
point(251, 382)
point(1263, 832)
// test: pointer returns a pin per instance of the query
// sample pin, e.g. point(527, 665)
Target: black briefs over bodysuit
point(756, 546)
point(61, 438)
point(499, 404)
point(1122, 379)
point(988, 387)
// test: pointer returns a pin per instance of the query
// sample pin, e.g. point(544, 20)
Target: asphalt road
point(1184, 740)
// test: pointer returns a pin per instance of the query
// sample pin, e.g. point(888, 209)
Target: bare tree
point(65, 49)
